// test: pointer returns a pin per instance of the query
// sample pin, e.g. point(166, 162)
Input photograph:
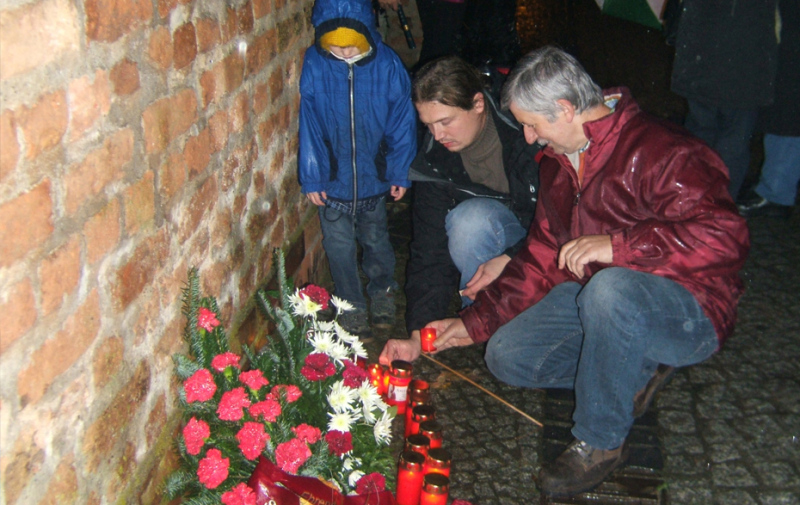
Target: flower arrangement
point(302, 401)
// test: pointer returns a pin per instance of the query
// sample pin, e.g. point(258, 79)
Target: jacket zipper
point(353, 135)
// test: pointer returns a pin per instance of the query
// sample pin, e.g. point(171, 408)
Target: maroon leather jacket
point(662, 196)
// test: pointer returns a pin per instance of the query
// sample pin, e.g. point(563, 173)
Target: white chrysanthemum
point(344, 335)
point(341, 397)
point(341, 305)
point(368, 395)
point(354, 477)
point(327, 326)
point(339, 352)
point(341, 421)
point(351, 463)
point(358, 351)
point(323, 342)
point(303, 306)
point(383, 429)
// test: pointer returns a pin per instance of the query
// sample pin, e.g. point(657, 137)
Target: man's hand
point(398, 192)
point(578, 253)
point(486, 273)
point(317, 198)
point(451, 333)
point(406, 350)
point(389, 4)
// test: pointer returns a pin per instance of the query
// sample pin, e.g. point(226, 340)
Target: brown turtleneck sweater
point(483, 159)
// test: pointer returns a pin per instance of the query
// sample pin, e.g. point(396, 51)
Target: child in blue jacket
point(357, 140)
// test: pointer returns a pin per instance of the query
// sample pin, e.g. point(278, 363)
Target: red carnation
point(200, 386)
point(339, 442)
point(195, 434)
point(252, 439)
point(307, 433)
point(291, 392)
point(371, 483)
point(316, 294)
point(318, 367)
point(213, 469)
point(269, 409)
point(232, 403)
point(254, 379)
point(291, 455)
point(224, 360)
point(240, 495)
point(207, 320)
point(353, 375)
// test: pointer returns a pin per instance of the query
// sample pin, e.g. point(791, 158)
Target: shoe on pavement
point(755, 205)
point(643, 398)
point(355, 322)
point(580, 468)
point(383, 309)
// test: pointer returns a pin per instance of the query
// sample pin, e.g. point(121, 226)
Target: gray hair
point(548, 74)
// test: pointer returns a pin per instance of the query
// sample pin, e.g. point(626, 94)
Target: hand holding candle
point(428, 336)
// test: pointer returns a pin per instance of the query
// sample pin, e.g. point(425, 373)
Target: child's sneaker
point(355, 322)
point(383, 309)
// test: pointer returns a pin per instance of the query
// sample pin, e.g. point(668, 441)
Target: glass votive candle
point(376, 372)
point(399, 378)
point(409, 478)
point(435, 488)
point(418, 443)
point(420, 414)
point(427, 337)
point(432, 430)
point(415, 399)
point(437, 461)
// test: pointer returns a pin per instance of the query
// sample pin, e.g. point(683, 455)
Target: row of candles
point(423, 476)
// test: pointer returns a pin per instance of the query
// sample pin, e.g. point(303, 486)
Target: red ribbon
point(273, 486)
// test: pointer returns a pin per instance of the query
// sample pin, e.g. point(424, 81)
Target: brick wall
point(138, 138)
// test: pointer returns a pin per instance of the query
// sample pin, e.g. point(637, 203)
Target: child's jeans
point(339, 235)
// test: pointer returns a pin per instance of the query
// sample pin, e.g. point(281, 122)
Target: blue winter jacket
point(371, 98)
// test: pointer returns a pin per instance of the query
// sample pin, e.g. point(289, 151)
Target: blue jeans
point(478, 230)
point(727, 131)
point(339, 234)
point(781, 171)
point(604, 340)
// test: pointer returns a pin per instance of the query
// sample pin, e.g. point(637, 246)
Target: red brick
point(218, 126)
point(37, 34)
point(27, 223)
point(165, 6)
point(221, 228)
point(261, 8)
point(289, 30)
point(228, 26)
point(276, 166)
point(200, 204)
point(59, 274)
point(244, 19)
point(140, 205)
point(59, 353)
point(118, 477)
point(108, 20)
point(19, 301)
point(20, 464)
point(159, 47)
point(265, 130)
point(139, 272)
point(197, 152)
point(184, 46)
point(101, 232)
point(225, 77)
point(107, 361)
point(44, 124)
point(100, 168)
point(238, 112)
point(88, 101)
point(125, 77)
point(172, 175)
point(276, 84)
point(167, 118)
point(9, 154)
point(280, 4)
point(261, 52)
point(111, 426)
point(156, 421)
point(261, 98)
point(207, 34)
point(63, 486)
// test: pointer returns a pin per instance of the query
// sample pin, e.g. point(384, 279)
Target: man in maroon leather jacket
point(630, 268)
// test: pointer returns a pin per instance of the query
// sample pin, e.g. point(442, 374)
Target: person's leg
point(702, 121)
point(378, 259)
point(733, 144)
point(478, 230)
point(781, 171)
point(339, 242)
point(540, 347)
point(632, 321)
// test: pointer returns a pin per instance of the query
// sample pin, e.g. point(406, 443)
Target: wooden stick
point(462, 376)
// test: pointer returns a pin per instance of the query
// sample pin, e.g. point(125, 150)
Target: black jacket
point(441, 183)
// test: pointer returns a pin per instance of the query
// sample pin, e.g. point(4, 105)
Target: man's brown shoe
point(643, 398)
point(580, 468)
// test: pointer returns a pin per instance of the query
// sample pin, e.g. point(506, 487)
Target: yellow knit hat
point(344, 37)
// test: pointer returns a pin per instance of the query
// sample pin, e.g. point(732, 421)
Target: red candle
point(435, 488)
point(375, 372)
point(418, 443)
point(415, 399)
point(432, 430)
point(399, 378)
point(361, 362)
point(427, 336)
point(437, 461)
point(420, 414)
point(409, 478)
